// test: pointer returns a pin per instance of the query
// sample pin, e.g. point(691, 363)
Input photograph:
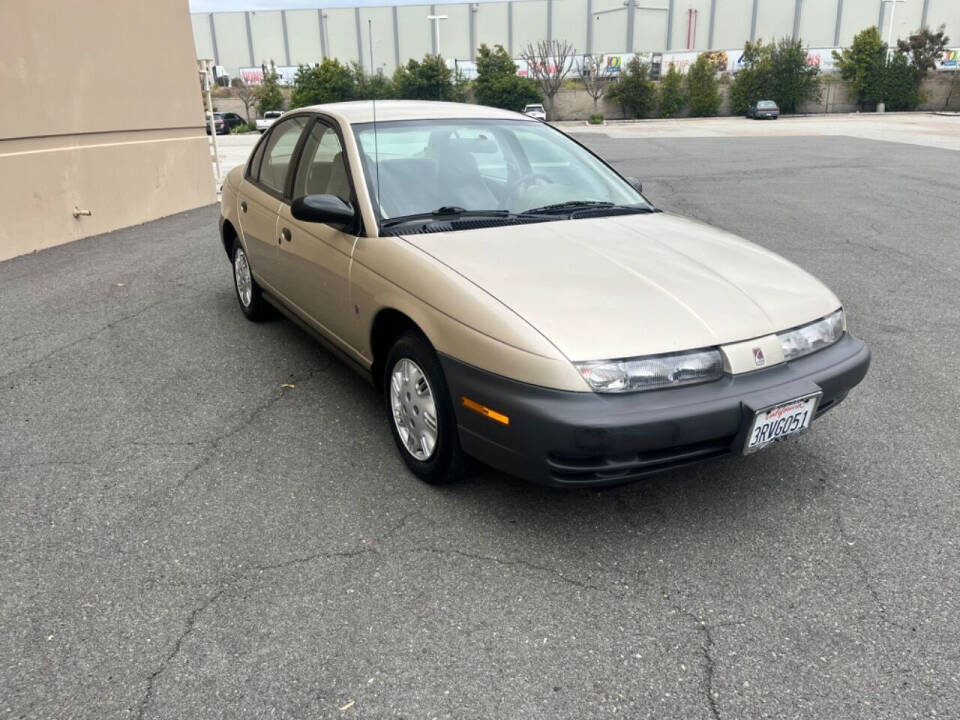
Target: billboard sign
point(254, 75)
point(950, 60)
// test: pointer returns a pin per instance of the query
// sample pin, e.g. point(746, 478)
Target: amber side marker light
point(484, 410)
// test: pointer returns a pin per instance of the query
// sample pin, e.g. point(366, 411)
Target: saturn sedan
point(517, 300)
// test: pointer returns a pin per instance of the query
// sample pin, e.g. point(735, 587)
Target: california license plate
point(775, 423)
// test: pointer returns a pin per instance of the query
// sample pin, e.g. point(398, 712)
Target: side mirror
point(637, 185)
point(327, 209)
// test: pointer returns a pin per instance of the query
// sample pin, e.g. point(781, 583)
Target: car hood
point(631, 285)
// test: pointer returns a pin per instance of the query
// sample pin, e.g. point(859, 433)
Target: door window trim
point(291, 168)
point(331, 123)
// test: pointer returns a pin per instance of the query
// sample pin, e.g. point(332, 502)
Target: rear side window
point(278, 153)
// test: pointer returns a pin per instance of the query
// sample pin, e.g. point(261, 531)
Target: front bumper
point(563, 438)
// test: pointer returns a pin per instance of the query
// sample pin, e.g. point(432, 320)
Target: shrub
point(863, 64)
point(326, 82)
point(269, 96)
point(671, 99)
point(429, 79)
point(900, 91)
point(245, 128)
point(633, 91)
point(775, 71)
point(596, 119)
point(368, 87)
point(497, 83)
point(701, 85)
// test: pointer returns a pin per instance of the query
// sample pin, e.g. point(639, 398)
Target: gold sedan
point(518, 300)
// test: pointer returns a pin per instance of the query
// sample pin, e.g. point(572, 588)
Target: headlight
point(651, 373)
point(810, 338)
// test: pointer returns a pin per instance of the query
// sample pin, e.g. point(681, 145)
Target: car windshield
point(766, 105)
point(506, 167)
point(534, 107)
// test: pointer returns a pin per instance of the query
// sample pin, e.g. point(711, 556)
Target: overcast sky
point(199, 6)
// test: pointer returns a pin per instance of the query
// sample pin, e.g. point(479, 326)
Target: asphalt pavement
point(182, 535)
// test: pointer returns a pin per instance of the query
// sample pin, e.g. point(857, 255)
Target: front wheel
point(420, 411)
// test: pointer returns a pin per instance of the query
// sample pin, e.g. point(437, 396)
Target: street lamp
point(436, 29)
point(893, 13)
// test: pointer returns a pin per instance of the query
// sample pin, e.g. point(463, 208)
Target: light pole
point(893, 13)
point(436, 29)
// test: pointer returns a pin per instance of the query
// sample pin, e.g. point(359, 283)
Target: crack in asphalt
point(178, 644)
point(865, 575)
point(707, 647)
point(84, 338)
point(516, 563)
point(367, 546)
point(251, 418)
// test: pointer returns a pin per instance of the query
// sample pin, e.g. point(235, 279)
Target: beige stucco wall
point(102, 112)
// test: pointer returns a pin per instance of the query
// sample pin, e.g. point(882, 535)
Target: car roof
point(361, 111)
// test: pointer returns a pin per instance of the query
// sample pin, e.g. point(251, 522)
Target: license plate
point(775, 423)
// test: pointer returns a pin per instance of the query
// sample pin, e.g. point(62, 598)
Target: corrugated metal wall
point(292, 37)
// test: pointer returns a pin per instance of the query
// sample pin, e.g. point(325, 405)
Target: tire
point(413, 380)
point(249, 295)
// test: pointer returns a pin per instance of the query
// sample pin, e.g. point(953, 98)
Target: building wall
point(70, 134)
point(597, 26)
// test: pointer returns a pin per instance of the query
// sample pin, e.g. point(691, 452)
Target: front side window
point(279, 153)
point(508, 166)
point(322, 169)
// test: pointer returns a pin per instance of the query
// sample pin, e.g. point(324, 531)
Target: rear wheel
point(248, 292)
point(420, 411)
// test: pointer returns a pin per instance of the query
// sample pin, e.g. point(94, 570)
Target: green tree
point(269, 96)
point(863, 65)
point(924, 47)
point(497, 83)
point(671, 98)
point(368, 87)
point(701, 85)
point(429, 79)
point(633, 91)
point(900, 90)
point(326, 82)
point(775, 71)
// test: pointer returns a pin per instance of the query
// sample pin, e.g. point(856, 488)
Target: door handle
point(243, 205)
point(285, 235)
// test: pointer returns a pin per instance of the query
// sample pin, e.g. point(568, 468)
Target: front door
point(261, 195)
point(314, 258)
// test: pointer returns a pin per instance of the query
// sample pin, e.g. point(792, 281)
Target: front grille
point(599, 468)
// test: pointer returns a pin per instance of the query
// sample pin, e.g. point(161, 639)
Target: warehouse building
point(289, 38)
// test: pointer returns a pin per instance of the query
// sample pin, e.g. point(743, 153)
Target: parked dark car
point(225, 122)
point(763, 110)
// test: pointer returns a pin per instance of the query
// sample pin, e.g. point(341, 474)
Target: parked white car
point(269, 117)
point(535, 111)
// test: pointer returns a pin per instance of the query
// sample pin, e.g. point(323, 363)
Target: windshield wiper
point(446, 212)
point(573, 206)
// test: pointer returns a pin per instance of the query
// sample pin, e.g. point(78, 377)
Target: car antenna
point(373, 101)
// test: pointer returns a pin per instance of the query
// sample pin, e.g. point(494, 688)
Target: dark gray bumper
point(565, 438)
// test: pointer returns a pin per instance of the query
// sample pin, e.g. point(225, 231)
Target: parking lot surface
point(205, 518)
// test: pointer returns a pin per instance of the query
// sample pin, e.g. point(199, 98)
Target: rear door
point(314, 258)
point(261, 195)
